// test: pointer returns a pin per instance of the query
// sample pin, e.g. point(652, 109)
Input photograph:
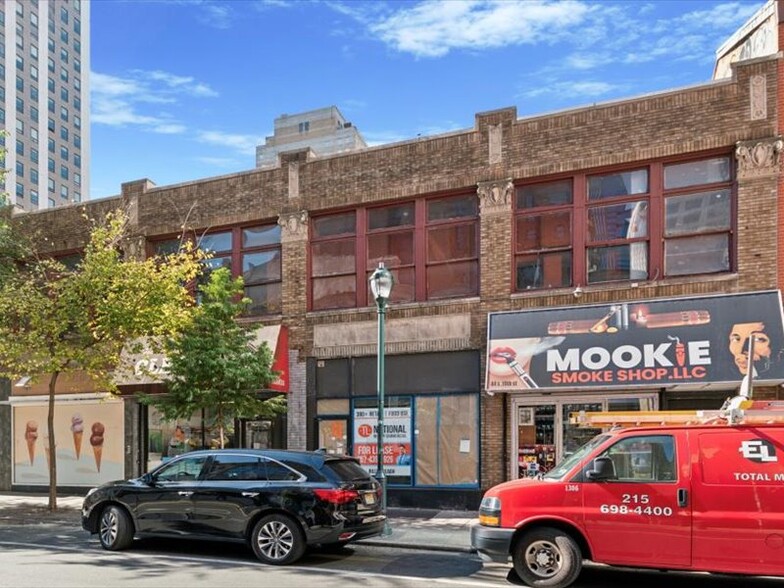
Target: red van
point(687, 497)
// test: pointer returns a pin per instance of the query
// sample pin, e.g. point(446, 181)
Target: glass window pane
point(260, 236)
point(448, 208)
point(167, 247)
point(544, 231)
point(337, 292)
point(694, 173)
point(545, 270)
point(404, 288)
point(394, 249)
point(230, 468)
point(550, 194)
point(426, 464)
point(453, 279)
point(261, 267)
point(391, 216)
point(451, 242)
point(336, 224)
point(458, 442)
point(622, 262)
point(618, 221)
point(333, 257)
point(265, 299)
point(696, 213)
point(216, 242)
point(333, 435)
point(618, 184)
point(697, 255)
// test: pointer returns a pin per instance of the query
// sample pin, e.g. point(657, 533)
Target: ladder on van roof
point(739, 411)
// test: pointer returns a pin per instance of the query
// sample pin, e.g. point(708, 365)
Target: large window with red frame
point(662, 219)
point(431, 246)
point(251, 252)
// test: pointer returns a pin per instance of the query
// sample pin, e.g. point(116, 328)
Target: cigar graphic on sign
point(663, 320)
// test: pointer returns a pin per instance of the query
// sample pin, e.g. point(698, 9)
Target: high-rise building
point(324, 131)
point(45, 101)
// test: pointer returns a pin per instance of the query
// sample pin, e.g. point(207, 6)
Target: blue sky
point(183, 90)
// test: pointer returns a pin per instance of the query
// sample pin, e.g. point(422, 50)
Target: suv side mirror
point(148, 479)
point(603, 469)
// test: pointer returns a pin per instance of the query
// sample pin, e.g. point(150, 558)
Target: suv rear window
point(347, 470)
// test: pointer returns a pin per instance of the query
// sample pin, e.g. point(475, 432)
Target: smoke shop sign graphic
point(685, 342)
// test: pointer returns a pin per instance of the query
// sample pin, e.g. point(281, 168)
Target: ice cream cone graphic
point(77, 429)
point(31, 436)
point(96, 440)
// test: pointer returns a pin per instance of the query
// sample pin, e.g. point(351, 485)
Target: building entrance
point(542, 435)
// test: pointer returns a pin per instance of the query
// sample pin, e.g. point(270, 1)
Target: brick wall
point(500, 149)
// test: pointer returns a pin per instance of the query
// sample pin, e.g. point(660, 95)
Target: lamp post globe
point(381, 282)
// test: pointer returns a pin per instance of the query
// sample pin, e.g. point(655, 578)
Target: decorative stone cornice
point(294, 226)
point(758, 159)
point(496, 196)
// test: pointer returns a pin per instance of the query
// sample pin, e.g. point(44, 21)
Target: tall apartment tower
point(45, 101)
point(324, 130)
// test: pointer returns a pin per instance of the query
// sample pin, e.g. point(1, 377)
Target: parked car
point(279, 502)
point(688, 497)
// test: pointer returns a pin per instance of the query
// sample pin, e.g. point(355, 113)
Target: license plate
point(370, 497)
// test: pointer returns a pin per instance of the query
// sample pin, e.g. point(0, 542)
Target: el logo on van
point(758, 451)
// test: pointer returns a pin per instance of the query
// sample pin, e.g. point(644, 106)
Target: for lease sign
point(397, 439)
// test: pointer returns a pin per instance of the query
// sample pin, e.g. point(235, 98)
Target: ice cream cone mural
point(77, 428)
point(96, 440)
point(31, 436)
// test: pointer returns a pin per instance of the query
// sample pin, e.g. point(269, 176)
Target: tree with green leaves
point(213, 363)
point(56, 321)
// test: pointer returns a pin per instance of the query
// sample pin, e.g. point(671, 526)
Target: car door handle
point(185, 493)
point(683, 497)
point(250, 494)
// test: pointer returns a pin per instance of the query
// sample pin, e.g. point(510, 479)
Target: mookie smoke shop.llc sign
point(663, 342)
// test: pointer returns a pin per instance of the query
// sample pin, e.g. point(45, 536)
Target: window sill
point(441, 302)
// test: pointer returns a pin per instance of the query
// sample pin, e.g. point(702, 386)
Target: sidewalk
point(411, 528)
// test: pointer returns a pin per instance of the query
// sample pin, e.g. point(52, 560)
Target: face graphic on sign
point(739, 346)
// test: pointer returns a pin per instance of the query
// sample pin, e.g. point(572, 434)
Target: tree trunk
point(50, 448)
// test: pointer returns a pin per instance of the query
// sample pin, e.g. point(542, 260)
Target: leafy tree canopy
point(213, 363)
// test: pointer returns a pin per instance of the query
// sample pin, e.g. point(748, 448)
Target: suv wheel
point(115, 529)
point(547, 558)
point(277, 540)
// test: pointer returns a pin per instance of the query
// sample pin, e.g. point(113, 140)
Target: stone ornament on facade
point(495, 196)
point(758, 158)
point(758, 97)
point(494, 139)
point(294, 179)
point(294, 226)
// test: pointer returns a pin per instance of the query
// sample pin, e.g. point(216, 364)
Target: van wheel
point(547, 558)
point(278, 540)
point(115, 528)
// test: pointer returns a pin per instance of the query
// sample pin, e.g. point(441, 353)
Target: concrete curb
point(417, 546)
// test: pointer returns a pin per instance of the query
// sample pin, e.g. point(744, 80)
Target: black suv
point(277, 501)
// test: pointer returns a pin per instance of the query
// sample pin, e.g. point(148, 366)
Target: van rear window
point(347, 470)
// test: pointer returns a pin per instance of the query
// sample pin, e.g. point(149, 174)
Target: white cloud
point(124, 101)
point(435, 27)
point(565, 89)
point(245, 144)
point(217, 16)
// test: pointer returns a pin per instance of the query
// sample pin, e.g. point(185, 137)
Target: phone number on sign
point(656, 511)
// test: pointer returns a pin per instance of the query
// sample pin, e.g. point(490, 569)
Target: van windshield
point(567, 464)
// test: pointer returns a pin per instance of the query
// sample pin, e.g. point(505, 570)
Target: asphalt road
point(60, 556)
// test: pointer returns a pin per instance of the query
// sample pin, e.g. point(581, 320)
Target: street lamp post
point(381, 282)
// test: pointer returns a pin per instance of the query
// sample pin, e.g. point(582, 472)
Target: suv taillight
point(336, 496)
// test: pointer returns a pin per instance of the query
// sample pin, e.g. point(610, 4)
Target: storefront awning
point(685, 343)
point(144, 366)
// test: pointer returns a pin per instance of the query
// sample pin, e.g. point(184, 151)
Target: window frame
point(656, 197)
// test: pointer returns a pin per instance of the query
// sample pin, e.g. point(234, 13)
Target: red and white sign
point(397, 439)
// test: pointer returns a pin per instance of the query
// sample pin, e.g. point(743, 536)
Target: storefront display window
point(168, 439)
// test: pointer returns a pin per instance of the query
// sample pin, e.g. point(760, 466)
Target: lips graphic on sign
point(365, 430)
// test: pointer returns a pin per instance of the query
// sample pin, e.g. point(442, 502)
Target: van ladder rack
point(742, 411)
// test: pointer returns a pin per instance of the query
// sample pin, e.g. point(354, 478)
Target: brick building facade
point(437, 341)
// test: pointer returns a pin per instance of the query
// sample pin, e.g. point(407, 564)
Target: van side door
point(636, 501)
